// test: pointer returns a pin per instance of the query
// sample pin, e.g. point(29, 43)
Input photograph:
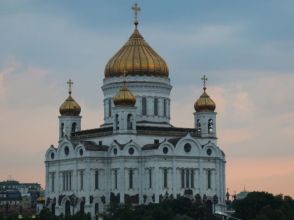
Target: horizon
point(245, 51)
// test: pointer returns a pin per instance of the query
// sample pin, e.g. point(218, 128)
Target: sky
point(246, 48)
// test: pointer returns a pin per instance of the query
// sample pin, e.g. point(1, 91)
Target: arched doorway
point(53, 208)
point(209, 206)
point(67, 208)
point(96, 210)
point(82, 207)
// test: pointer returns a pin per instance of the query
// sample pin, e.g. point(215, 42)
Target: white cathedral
point(136, 156)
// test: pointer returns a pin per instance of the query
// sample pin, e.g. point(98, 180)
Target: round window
point(81, 152)
point(52, 155)
point(131, 151)
point(165, 150)
point(115, 151)
point(209, 151)
point(66, 150)
point(187, 148)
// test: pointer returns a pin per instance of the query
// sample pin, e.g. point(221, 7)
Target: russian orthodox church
point(136, 156)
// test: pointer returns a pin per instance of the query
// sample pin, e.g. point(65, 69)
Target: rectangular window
point(192, 178)
point(70, 175)
point(165, 178)
point(131, 173)
point(115, 179)
point(155, 106)
point(209, 179)
point(183, 178)
point(187, 178)
point(96, 179)
point(63, 181)
point(144, 106)
point(81, 180)
point(164, 107)
point(109, 107)
point(150, 178)
point(52, 181)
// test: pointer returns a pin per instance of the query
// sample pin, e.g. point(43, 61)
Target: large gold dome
point(204, 103)
point(136, 57)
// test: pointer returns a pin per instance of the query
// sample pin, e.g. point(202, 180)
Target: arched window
point(116, 122)
point(164, 108)
point(130, 121)
point(210, 126)
point(96, 179)
point(67, 208)
point(74, 127)
point(208, 179)
point(155, 106)
point(62, 130)
point(144, 106)
point(82, 207)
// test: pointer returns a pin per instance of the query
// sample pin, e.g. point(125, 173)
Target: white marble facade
point(145, 162)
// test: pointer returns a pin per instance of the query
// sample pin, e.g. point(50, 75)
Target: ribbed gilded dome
point(124, 97)
point(204, 103)
point(136, 57)
point(70, 107)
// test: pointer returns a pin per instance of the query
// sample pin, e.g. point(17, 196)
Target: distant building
point(18, 196)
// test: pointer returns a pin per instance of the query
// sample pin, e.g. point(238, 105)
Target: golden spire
point(70, 107)
point(124, 97)
point(136, 9)
point(204, 103)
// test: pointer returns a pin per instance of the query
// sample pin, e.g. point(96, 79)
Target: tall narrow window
point(129, 121)
point(192, 178)
point(109, 107)
point(209, 179)
point(81, 180)
point(183, 178)
point(116, 122)
point(62, 130)
point(198, 125)
point(115, 179)
point(155, 106)
point(52, 182)
point(131, 174)
point(63, 181)
point(210, 126)
point(70, 176)
point(73, 127)
point(144, 106)
point(187, 178)
point(150, 178)
point(96, 179)
point(164, 107)
point(165, 178)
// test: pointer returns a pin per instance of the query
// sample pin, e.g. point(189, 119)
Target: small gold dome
point(70, 107)
point(204, 103)
point(136, 57)
point(124, 97)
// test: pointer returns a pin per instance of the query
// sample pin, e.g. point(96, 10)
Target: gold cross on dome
point(204, 79)
point(70, 83)
point(136, 9)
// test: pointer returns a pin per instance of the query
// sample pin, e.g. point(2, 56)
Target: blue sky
point(245, 47)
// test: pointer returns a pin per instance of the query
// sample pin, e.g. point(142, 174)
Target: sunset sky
point(246, 48)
